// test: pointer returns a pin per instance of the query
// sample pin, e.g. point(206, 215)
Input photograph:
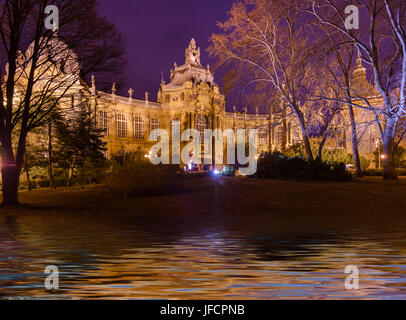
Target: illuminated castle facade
point(191, 98)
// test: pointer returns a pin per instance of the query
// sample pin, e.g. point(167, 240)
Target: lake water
point(204, 258)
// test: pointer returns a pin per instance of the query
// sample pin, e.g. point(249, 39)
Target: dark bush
point(277, 166)
point(43, 183)
point(134, 175)
point(329, 155)
point(379, 172)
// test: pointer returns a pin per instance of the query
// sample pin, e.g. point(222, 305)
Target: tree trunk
point(11, 180)
point(306, 139)
point(71, 170)
point(27, 171)
point(308, 148)
point(50, 158)
point(284, 135)
point(389, 170)
point(321, 147)
point(354, 141)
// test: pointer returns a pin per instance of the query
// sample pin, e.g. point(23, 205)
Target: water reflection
point(201, 258)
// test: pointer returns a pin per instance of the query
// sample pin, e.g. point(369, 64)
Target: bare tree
point(339, 57)
point(40, 72)
point(381, 42)
point(270, 38)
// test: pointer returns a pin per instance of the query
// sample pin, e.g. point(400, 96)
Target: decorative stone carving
point(130, 95)
point(113, 91)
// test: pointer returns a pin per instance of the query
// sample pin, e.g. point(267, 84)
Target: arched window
point(263, 136)
point(103, 122)
point(154, 125)
point(296, 135)
point(138, 127)
point(201, 124)
point(279, 136)
point(121, 126)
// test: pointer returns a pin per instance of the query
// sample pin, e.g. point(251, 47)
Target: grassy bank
point(234, 196)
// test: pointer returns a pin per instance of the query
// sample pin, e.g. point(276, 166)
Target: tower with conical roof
point(359, 81)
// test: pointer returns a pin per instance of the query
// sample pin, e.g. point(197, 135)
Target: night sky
point(157, 33)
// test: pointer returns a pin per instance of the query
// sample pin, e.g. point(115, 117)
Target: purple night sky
point(157, 33)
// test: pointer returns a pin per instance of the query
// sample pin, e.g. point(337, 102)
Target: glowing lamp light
point(216, 172)
point(383, 156)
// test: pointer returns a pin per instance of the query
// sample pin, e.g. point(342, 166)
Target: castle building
point(191, 99)
point(369, 138)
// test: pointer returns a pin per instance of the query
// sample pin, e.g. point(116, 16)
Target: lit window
point(296, 135)
point(138, 128)
point(121, 126)
point(263, 136)
point(154, 125)
point(103, 122)
point(201, 124)
point(279, 136)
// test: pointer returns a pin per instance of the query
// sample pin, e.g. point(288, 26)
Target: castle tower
point(192, 54)
point(359, 77)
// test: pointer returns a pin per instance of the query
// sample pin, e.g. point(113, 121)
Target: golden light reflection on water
point(119, 259)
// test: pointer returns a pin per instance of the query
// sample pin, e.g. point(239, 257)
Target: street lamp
point(381, 157)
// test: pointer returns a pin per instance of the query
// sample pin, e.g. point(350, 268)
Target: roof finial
point(162, 77)
point(130, 95)
point(359, 60)
point(93, 88)
point(113, 91)
point(192, 43)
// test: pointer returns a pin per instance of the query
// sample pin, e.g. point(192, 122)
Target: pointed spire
point(162, 78)
point(192, 43)
point(359, 60)
point(146, 97)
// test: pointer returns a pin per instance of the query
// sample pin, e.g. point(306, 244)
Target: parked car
point(228, 171)
point(349, 167)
